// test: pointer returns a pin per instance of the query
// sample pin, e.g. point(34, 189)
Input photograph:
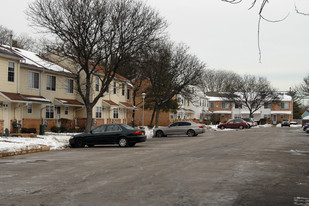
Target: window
point(66, 110)
point(267, 116)
point(267, 105)
point(284, 105)
point(212, 105)
point(123, 89)
point(50, 83)
point(225, 105)
point(33, 80)
point(29, 108)
point(11, 71)
point(70, 86)
point(237, 116)
point(115, 87)
point(128, 94)
point(97, 84)
point(188, 103)
point(116, 114)
point(238, 106)
point(98, 113)
point(49, 112)
point(281, 116)
point(99, 129)
point(113, 128)
point(58, 110)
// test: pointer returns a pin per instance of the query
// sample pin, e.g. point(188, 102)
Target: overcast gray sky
point(224, 36)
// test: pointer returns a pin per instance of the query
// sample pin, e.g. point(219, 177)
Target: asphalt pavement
point(258, 166)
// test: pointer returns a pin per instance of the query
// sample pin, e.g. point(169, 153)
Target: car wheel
point(80, 143)
point(190, 133)
point(160, 134)
point(241, 127)
point(132, 144)
point(222, 127)
point(123, 142)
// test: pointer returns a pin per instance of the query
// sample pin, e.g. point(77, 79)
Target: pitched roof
point(127, 105)
point(69, 102)
point(15, 97)
point(110, 103)
point(33, 59)
point(8, 52)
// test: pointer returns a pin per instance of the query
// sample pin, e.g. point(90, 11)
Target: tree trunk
point(157, 116)
point(88, 120)
point(152, 116)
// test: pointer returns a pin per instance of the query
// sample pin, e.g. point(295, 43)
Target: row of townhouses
point(35, 91)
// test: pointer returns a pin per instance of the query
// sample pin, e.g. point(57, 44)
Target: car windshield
point(128, 127)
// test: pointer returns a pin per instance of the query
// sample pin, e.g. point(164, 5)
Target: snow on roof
point(32, 58)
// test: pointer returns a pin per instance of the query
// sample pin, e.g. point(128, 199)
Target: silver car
point(180, 128)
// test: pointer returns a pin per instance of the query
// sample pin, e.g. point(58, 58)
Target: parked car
point(285, 122)
point(306, 126)
point(250, 122)
point(180, 128)
point(234, 123)
point(120, 134)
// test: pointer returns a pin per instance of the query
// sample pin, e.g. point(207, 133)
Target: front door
point(274, 119)
point(6, 115)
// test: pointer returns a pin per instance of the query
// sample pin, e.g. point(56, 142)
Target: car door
point(96, 136)
point(184, 127)
point(230, 124)
point(172, 129)
point(111, 134)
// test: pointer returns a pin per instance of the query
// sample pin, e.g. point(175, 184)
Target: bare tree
point(253, 92)
point(101, 35)
point(304, 87)
point(170, 71)
point(261, 16)
point(218, 80)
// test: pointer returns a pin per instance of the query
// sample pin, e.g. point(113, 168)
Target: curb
point(42, 148)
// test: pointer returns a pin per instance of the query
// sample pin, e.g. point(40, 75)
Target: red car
point(234, 123)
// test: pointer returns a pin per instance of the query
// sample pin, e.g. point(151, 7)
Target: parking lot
point(258, 166)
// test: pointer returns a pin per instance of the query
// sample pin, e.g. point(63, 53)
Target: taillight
point(200, 126)
point(139, 132)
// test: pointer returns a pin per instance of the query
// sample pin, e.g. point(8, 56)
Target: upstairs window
point(123, 89)
point(225, 105)
point(11, 71)
point(70, 86)
point(115, 87)
point(50, 83)
point(212, 105)
point(284, 105)
point(33, 80)
point(97, 84)
point(267, 105)
point(128, 94)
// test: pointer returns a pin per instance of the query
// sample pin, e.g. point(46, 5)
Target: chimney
point(11, 40)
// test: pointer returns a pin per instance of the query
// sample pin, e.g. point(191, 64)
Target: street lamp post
point(143, 96)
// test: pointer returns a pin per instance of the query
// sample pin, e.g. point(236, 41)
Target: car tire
point(191, 133)
point(241, 127)
point(90, 145)
point(80, 143)
point(222, 127)
point(159, 134)
point(122, 142)
point(132, 144)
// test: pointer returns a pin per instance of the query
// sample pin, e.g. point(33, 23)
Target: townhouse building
point(222, 110)
point(35, 91)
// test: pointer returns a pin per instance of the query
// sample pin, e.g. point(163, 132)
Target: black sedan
point(120, 134)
